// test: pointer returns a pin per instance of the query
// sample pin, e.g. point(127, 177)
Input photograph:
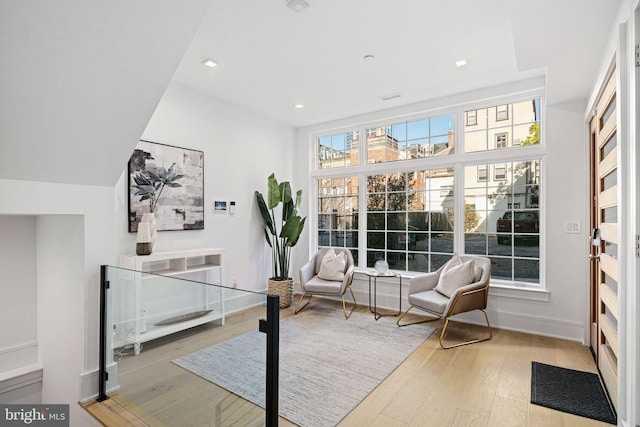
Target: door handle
point(594, 257)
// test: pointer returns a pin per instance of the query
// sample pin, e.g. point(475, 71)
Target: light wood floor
point(484, 384)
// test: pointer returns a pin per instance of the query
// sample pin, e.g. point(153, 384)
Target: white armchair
point(313, 285)
point(468, 297)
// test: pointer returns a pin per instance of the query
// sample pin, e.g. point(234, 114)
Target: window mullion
point(458, 208)
point(362, 220)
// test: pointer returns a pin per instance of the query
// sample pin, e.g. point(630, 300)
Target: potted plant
point(283, 239)
point(149, 186)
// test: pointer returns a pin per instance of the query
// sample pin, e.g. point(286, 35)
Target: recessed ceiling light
point(210, 63)
point(298, 106)
point(461, 63)
point(297, 5)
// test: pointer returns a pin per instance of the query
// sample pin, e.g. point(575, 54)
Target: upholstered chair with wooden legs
point(426, 292)
point(328, 273)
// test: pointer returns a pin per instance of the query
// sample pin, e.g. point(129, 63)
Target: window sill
point(507, 290)
point(499, 289)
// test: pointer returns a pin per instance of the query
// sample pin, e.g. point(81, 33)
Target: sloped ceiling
point(79, 81)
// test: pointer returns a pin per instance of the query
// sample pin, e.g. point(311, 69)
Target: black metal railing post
point(272, 328)
point(102, 373)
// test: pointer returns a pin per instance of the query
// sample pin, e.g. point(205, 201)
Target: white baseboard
point(527, 323)
point(18, 356)
point(89, 382)
point(387, 299)
point(23, 385)
point(17, 378)
point(239, 301)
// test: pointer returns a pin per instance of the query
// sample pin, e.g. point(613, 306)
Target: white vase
point(150, 218)
point(143, 242)
point(381, 267)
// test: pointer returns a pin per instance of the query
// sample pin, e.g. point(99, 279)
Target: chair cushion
point(319, 286)
point(477, 274)
point(332, 266)
point(431, 301)
point(454, 275)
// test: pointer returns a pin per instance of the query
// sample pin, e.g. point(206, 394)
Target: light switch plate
point(572, 227)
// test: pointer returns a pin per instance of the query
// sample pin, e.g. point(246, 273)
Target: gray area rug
point(328, 365)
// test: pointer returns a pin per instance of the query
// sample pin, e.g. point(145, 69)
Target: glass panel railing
point(172, 346)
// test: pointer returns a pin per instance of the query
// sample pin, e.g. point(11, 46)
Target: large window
point(338, 150)
point(338, 213)
point(504, 126)
point(410, 219)
point(502, 220)
point(411, 140)
point(413, 197)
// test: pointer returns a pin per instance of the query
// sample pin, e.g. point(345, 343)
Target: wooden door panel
point(608, 369)
point(608, 198)
point(608, 329)
point(609, 232)
point(604, 216)
point(610, 298)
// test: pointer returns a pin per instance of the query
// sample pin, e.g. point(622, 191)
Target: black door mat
point(567, 390)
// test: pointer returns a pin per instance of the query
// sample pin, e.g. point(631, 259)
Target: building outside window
point(506, 225)
point(501, 140)
point(505, 126)
point(398, 201)
point(413, 139)
point(472, 118)
point(502, 112)
point(482, 173)
point(338, 213)
point(410, 219)
point(338, 150)
point(499, 172)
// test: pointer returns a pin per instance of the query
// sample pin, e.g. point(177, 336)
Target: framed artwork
point(168, 181)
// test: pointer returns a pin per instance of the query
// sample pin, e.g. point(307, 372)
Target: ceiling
point(80, 80)
point(272, 57)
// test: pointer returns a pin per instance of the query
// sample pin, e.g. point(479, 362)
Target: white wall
point(20, 372)
point(566, 190)
point(561, 311)
point(18, 304)
point(241, 150)
point(74, 226)
point(61, 299)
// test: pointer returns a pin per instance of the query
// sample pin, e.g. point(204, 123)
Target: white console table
point(148, 307)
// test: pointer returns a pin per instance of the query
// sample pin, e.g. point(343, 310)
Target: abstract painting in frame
point(171, 181)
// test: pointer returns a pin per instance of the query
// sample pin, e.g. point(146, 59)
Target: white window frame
point(459, 159)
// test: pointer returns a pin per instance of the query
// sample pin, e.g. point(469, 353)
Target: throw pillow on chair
point(332, 266)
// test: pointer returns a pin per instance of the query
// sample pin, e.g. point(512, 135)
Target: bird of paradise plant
point(291, 224)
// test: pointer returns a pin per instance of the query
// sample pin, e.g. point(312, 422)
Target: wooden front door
point(604, 248)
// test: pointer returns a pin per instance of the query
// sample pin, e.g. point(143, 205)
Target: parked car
point(523, 222)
